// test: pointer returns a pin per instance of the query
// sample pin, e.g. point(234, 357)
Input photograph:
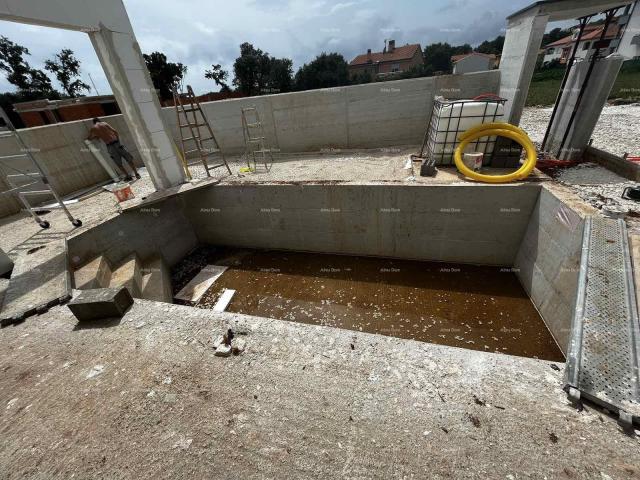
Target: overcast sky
point(201, 32)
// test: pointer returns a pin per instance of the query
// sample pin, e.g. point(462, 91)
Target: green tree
point(218, 75)
point(66, 67)
point(165, 75)
point(31, 83)
point(361, 77)
point(492, 46)
point(326, 70)
point(256, 72)
point(280, 75)
point(437, 56)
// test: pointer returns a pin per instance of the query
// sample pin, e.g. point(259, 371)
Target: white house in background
point(473, 62)
point(561, 49)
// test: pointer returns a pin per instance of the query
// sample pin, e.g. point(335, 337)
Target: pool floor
point(474, 307)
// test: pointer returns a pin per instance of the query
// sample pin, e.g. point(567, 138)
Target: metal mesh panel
point(607, 354)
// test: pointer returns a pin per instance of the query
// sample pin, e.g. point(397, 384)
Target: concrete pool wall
point(527, 228)
point(548, 262)
point(461, 224)
point(360, 116)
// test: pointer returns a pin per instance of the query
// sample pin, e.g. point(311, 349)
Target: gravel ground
point(147, 398)
point(617, 130)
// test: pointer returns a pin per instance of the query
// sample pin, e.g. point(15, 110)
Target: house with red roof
point(561, 49)
point(389, 61)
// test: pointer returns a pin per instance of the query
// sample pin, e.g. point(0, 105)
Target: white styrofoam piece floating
point(193, 291)
point(223, 301)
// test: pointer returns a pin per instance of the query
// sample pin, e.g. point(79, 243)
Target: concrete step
point(156, 280)
point(95, 274)
point(128, 275)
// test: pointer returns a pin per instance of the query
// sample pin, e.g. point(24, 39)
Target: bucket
point(473, 160)
point(123, 192)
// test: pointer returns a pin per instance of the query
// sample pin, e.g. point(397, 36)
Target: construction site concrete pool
point(481, 267)
point(316, 292)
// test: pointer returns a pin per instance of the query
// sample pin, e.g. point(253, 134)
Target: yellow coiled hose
point(497, 129)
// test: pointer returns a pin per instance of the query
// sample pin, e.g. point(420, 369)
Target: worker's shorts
point(118, 153)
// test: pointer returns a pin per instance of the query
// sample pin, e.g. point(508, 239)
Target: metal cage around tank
point(444, 128)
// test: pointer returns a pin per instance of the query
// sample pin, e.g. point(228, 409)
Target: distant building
point(561, 49)
point(473, 62)
point(389, 61)
point(46, 112)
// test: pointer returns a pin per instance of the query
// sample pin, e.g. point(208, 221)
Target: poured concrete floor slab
point(147, 398)
point(39, 278)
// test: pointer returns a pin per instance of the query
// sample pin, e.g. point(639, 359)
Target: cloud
point(341, 6)
point(202, 32)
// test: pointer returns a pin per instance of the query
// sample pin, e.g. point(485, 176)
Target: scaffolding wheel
point(77, 222)
point(44, 224)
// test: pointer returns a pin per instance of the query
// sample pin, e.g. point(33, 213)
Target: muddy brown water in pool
point(479, 308)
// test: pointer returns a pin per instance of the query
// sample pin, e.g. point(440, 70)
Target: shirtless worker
point(111, 139)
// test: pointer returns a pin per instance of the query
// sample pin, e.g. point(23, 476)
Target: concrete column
point(122, 60)
point(111, 33)
point(519, 54)
point(595, 96)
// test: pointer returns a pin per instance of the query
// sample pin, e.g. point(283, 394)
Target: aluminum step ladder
point(189, 115)
point(255, 139)
point(20, 180)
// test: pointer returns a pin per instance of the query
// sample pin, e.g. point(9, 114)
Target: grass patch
point(543, 91)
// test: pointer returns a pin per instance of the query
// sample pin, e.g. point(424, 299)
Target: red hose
point(488, 96)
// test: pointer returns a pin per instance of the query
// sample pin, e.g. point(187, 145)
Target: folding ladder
point(254, 138)
point(22, 179)
point(194, 122)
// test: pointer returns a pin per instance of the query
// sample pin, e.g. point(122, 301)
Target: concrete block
point(95, 274)
point(128, 275)
point(99, 303)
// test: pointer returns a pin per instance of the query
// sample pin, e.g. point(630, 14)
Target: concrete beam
point(519, 55)
point(603, 76)
point(115, 43)
point(558, 10)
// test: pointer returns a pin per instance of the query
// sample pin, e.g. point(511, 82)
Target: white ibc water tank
point(451, 118)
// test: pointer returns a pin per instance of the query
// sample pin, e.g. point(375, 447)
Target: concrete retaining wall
point(462, 223)
point(62, 153)
point(623, 167)
point(548, 263)
point(158, 229)
point(361, 116)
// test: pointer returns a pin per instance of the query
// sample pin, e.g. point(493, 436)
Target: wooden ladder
point(189, 114)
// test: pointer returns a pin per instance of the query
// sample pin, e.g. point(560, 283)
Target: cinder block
point(99, 303)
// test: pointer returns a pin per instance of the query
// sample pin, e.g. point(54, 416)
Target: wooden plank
point(224, 300)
